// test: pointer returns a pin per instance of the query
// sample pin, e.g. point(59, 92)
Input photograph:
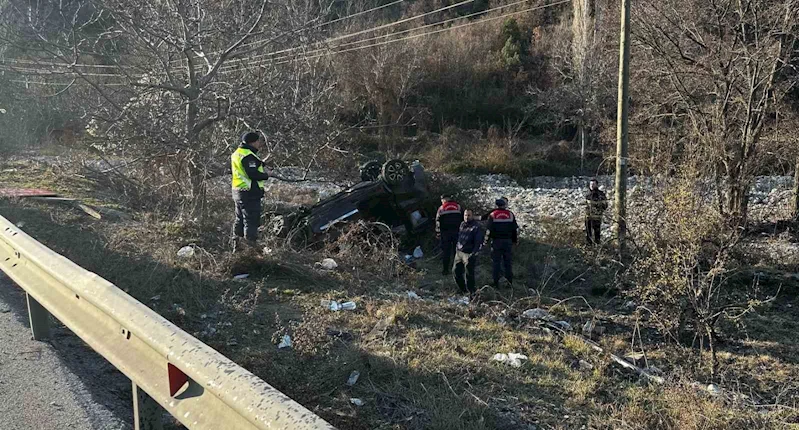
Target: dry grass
point(429, 367)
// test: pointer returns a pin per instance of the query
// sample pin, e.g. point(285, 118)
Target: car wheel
point(394, 172)
point(370, 171)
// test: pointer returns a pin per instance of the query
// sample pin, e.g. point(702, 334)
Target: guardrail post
point(147, 413)
point(39, 318)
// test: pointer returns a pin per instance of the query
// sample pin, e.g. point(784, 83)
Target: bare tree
point(716, 70)
point(167, 76)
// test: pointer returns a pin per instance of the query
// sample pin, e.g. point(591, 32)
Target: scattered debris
point(155, 298)
point(327, 264)
point(584, 365)
point(203, 316)
point(538, 314)
point(232, 342)
point(242, 276)
point(463, 301)
point(417, 253)
point(21, 224)
point(630, 305)
point(89, 211)
point(353, 379)
point(713, 390)
point(501, 320)
point(512, 359)
point(268, 251)
point(5, 310)
point(563, 325)
point(592, 328)
point(285, 343)
point(356, 402)
point(178, 309)
point(186, 252)
point(380, 329)
point(341, 334)
point(413, 296)
point(336, 306)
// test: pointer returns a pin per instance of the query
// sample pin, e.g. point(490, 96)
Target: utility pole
point(622, 126)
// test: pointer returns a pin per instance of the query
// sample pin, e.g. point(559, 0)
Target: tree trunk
point(796, 191)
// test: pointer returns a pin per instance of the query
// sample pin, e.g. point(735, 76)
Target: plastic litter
point(285, 343)
point(512, 359)
point(413, 296)
point(242, 276)
point(464, 301)
point(356, 402)
point(417, 253)
point(353, 379)
point(538, 314)
point(155, 298)
point(336, 306)
point(327, 264)
point(584, 365)
point(268, 251)
point(714, 390)
point(186, 252)
point(21, 224)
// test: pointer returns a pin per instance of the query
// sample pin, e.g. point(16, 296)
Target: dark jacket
point(502, 225)
point(470, 237)
point(595, 204)
point(449, 217)
point(251, 163)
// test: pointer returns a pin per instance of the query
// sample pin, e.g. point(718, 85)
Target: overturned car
point(392, 193)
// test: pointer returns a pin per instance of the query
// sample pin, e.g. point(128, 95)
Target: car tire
point(395, 172)
point(370, 171)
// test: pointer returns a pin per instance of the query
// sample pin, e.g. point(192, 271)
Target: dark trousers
point(248, 219)
point(592, 227)
point(449, 242)
point(465, 264)
point(502, 258)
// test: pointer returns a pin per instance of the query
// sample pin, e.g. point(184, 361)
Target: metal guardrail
point(168, 368)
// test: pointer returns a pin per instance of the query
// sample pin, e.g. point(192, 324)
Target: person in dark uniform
point(595, 205)
point(448, 221)
point(503, 233)
point(485, 216)
point(470, 241)
point(249, 175)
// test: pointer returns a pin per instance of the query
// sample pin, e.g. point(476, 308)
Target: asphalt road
point(59, 384)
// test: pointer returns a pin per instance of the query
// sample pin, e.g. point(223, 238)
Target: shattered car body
point(394, 194)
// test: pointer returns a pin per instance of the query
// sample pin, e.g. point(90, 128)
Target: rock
point(186, 252)
point(327, 264)
point(538, 314)
point(565, 326)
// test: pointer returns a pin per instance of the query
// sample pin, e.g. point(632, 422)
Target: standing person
point(448, 221)
point(503, 232)
point(248, 180)
point(595, 205)
point(485, 216)
point(470, 241)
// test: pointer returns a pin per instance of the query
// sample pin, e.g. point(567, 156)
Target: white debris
point(512, 359)
point(588, 328)
point(463, 301)
point(336, 306)
point(285, 343)
point(242, 276)
point(353, 379)
point(584, 365)
point(538, 314)
point(268, 251)
point(21, 224)
point(186, 252)
point(356, 402)
point(327, 264)
point(155, 298)
point(413, 296)
point(417, 253)
point(713, 389)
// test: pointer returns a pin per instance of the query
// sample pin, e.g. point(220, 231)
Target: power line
point(374, 9)
point(357, 33)
point(484, 12)
point(484, 20)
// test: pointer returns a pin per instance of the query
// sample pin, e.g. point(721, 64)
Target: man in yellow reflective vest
point(249, 175)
